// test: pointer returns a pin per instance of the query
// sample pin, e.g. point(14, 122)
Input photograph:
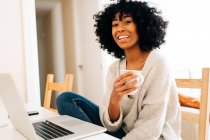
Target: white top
point(153, 113)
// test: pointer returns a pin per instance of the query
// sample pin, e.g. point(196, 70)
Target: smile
point(123, 37)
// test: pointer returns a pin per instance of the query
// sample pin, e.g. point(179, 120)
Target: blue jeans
point(74, 105)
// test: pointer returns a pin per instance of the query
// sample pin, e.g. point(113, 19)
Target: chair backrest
point(201, 117)
point(52, 86)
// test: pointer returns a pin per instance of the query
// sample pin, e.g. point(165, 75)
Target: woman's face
point(124, 31)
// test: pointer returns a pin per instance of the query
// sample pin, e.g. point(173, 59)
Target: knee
point(62, 98)
point(65, 97)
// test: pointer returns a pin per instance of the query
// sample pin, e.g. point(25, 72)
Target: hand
point(121, 87)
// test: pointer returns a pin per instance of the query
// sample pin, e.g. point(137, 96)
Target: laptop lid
point(15, 108)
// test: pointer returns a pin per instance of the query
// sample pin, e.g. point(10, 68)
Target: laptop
point(58, 128)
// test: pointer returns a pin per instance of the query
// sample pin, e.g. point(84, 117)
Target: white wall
point(88, 53)
point(187, 39)
point(17, 37)
point(30, 51)
point(12, 57)
point(58, 42)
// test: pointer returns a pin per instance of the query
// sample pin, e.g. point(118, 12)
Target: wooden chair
point(200, 116)
point(51, 86)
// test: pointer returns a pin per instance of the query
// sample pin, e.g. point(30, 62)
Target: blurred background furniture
point(200, 116)
point(53, 86)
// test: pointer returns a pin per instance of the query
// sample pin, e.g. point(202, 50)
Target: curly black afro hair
point(150, 26)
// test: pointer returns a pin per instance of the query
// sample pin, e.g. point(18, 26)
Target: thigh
point(68, 100)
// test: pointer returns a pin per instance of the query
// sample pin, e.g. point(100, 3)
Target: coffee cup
point(139, 78)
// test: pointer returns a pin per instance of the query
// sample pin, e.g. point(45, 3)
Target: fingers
point(127, 86)
point(128, 91)
point(124, 78)
point(125, 83)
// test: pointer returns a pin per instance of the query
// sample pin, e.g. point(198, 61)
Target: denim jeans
point(69, 103)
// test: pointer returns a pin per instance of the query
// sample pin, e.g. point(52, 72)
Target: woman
point(133, 32)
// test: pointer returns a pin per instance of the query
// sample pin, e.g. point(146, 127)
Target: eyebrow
point(122, 17)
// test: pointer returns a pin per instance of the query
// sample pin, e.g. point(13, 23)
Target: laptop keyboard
point(48, 130)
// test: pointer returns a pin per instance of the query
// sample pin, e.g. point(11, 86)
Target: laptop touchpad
point(72, 123)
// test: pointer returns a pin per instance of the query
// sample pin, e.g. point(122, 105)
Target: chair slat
point(204, 106)
point(57, 87)
point(189, 83)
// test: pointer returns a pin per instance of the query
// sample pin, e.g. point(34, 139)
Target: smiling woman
point(132, 31)
point(187, 42)
point(137, 31)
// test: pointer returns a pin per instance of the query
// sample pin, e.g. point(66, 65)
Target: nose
point(120, 28)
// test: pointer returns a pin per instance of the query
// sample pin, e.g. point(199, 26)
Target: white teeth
point(122, 37)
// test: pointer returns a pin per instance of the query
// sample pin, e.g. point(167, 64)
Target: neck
point(135, 59)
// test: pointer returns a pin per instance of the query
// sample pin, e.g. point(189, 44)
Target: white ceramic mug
point(139, 78)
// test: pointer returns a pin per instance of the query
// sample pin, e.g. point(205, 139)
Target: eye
point(127, 21)
point(114, 25)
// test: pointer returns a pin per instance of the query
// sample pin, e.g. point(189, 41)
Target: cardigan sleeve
point(103, 108)
point(153, 110)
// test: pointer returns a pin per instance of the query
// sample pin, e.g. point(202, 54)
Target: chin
point(124, 47)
